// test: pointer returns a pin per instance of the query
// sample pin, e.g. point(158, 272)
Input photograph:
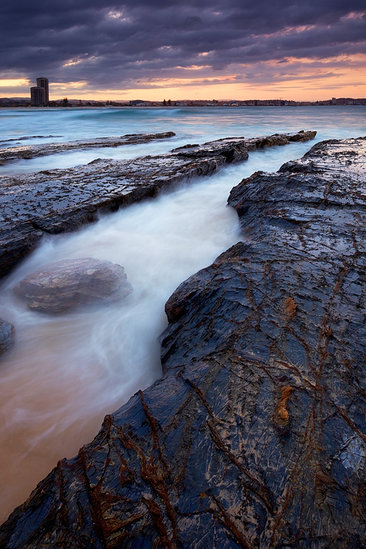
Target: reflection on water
point(66, 372)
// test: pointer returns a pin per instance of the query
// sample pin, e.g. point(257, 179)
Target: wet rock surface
point(7, 332)
point(232, 147)
point(256, 435)
point(10, 154)
point(56, 201)
point(70, 283)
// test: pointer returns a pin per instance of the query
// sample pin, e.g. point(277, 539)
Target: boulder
point(69, 283)
point(6, 335)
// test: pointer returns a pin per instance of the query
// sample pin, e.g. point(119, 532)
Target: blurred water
point(67, 371)
point(190, 125)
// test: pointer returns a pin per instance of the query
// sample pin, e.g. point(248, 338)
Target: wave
point(130, 112)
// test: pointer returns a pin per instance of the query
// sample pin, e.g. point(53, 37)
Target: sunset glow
point(132, 50)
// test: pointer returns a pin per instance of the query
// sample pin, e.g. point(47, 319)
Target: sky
point(193, 49)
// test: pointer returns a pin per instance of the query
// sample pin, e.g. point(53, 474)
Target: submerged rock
point(256, 434)
point(56, 201)
point(69, 283)
point(7, 332)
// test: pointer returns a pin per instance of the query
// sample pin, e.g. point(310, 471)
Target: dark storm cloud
point(119, 44)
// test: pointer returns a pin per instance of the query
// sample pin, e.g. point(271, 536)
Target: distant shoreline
point(8, 102)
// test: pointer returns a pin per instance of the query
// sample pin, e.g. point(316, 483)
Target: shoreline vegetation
point(24, 102)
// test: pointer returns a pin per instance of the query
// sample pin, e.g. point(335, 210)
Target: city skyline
point(112, 50)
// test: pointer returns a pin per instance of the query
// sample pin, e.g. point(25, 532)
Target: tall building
point(37, 96)
point(40, 93)
point(43, 83)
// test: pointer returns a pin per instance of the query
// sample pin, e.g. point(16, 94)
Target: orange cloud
point(14, 82)
point(290, 78)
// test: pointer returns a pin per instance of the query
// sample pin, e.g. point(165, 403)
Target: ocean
point(66, 372)
point(190, 124)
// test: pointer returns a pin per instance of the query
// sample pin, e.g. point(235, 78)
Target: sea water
point(66, 372)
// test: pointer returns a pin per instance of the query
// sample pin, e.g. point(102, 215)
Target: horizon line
point(26, 98)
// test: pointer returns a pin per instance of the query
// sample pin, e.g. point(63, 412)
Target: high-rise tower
point(43, 83)
point(37, 97)
point(40, 93)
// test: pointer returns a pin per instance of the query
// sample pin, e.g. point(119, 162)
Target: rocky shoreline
point(56, 201)
point(33, 151)
point(256, 435)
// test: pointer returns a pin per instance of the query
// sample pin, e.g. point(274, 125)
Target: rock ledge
point(56, 201)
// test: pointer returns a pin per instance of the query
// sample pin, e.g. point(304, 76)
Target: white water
point(66, 372)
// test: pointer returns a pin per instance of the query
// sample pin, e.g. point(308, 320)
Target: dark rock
point(17, 240)
point(256, 435)
point(69, 283)
point(56, 201)
point(189, 146)
point(278, 139)
point(233, 149)
point(7, 332)
point(33, 151)
point(236, 148)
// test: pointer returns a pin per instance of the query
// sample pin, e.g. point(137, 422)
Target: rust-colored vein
point(279, 517)
point(202, 397)
point(158, 520)
point(153, 474)
point(100, 501)
point(259, 489)
point(95, 502)
point(154, 428)
point(342, 274)
point(350, 422)
point(326, 331)
point(306, 347)
point(238, 535)
point(290, 366)
point(327, 190)
point(126, 474)
point(293, 478)
point(108, 424)
point(131, 519)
